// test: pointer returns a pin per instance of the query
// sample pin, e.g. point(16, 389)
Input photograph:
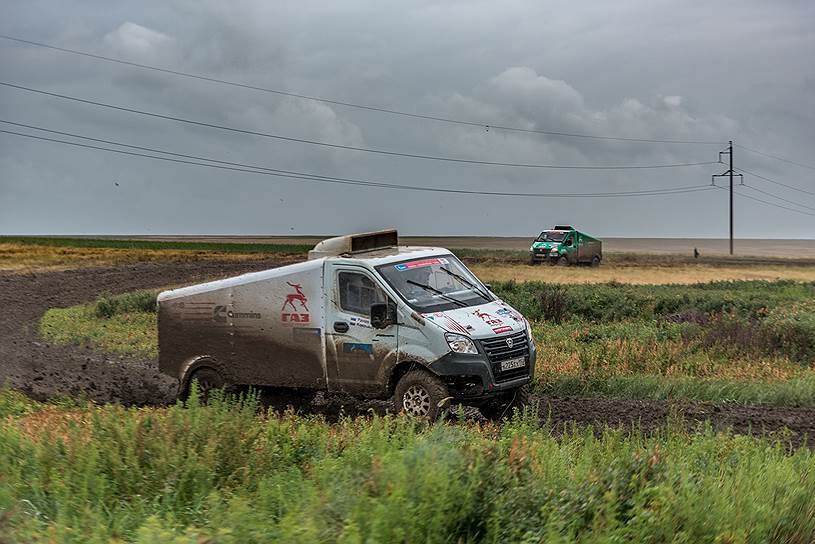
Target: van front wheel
point(421, 394)
point(504, 407)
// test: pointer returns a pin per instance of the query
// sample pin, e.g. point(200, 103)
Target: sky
point(646, 69)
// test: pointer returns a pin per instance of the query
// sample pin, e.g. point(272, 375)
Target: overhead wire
point(742, 195)
point(367, 107)
point(742, 170)
point(238, 167)
point(349, 147)
point(776, 157)
point(778, 197)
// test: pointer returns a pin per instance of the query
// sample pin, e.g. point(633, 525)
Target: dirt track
point(41, 370)
point(27, 363)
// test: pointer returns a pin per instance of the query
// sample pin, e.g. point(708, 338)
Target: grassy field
point(125, 324)
point(20, 254)
point(744, 341)
point(229, 473)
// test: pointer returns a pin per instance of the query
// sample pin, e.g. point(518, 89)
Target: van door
point(356, 353)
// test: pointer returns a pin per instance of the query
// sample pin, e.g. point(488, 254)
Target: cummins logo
point(220, 313)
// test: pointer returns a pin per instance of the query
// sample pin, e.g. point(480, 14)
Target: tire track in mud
point(41, 370)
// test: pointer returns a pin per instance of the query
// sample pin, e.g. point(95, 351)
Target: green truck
point(564, 245)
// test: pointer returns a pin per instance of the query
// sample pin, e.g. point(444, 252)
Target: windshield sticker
point(420, 264)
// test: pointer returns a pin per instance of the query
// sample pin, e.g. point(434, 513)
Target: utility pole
point(729, 173)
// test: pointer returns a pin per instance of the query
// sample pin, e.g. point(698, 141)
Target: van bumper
point(470, 376)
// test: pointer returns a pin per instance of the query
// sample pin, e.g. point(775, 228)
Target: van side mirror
point(383, 315)
point(567, 242)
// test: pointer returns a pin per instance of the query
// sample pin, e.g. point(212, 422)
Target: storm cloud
point(653, 69)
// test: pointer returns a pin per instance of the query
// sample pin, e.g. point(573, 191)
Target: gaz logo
point(295, 307)
point(487, 318)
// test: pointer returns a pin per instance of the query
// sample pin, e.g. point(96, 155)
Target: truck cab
point(363, 316)
point(564, 245)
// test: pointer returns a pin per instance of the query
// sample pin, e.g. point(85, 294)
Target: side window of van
point(358, 292)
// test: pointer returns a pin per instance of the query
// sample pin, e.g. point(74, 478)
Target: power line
point(782, 159)
point(257, 167)
point(779, 198)
point(348, 147)
point(356, 105)
point(742, 195)
point(349, 181)
point(774, 181)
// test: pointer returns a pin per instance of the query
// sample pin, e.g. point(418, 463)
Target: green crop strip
point(228, 473)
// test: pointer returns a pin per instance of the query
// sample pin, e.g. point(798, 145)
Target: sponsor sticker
point(306, 334)
point(357, 349)
point(499, 330)
point(420, 264)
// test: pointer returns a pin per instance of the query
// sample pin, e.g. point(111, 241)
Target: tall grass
point(123, 324)
point(617, 301)
point(223, 473)
point(106, 305)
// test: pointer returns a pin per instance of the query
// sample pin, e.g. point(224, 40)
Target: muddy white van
point(363, 316)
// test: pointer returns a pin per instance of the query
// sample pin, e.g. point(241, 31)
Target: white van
point(362, 316)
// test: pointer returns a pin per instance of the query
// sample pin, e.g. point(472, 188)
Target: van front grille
point(498, 349)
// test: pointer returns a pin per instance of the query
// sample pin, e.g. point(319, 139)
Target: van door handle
point(341, 326)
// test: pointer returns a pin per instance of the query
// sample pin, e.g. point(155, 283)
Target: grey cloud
point(657, 69)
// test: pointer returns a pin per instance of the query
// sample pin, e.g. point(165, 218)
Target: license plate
point(509, 364)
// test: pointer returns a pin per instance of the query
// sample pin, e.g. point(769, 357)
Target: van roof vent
point(353, 243)
point(563, 227)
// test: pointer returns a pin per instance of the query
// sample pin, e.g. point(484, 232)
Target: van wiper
point(436, 291)
point(466, 282)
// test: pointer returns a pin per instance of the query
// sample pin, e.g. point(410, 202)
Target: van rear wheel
point(208, 380)
point(421, 394)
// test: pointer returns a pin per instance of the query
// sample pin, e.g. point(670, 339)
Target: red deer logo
point(296, 296)
point(487, 318)
point(295, 315)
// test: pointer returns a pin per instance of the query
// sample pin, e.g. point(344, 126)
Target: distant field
point(646, 273)
point(707, 246)
point(19, 253)
point(659, 246)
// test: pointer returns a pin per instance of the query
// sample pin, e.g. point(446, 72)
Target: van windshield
point(550, 236)
point(435, 284)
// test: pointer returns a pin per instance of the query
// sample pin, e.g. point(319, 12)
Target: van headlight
point(528, 331)
point(460, 343)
